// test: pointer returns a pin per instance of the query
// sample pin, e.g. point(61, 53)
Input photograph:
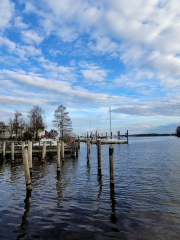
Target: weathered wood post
point(91, 137)
point(62, 150)
point(4, 150)
point(58, 157)
point(43, 152)
point(99, 155)
point(106, 135)
point(30, 156)
point(88, 148)
point(118, 135)
point(26, 169)
point(76, 145)
point(73, 148)
point(12, 152)
point(39, 154)
point(127, 136)
point(78, 142)
point(23, 145)
point(111, 163)
point(50, 150)
point(111, 135)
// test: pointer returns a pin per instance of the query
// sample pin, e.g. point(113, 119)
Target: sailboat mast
point(110, 119)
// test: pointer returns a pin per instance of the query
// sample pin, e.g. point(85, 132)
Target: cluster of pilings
point(27, 156)
point(13, 149)
point(111, 159)
point(94, 137)
point(75, 146)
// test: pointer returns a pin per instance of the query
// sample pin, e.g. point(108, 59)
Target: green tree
point(66, 138)
point(53, 132)
point(62, 120)
point(27, 136)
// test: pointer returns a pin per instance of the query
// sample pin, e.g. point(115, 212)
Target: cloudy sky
point(91, 55)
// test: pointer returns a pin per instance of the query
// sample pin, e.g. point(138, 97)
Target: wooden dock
point(15, 148)
point(106, 139)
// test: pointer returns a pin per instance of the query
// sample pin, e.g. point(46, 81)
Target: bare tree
point(18, 123)
point(62, 120)
point(35, 120)
point(11, 126)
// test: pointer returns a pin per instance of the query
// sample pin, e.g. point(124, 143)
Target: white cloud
point(158, 107)
point(23, 51)
point(93, 72)
point(82, 40)
point(75, 94)
point(55, 52)
point(53, 70)
point(31, 37)
point(26, 51)
point(19, 24)
point(6, 42)
point(6, 13)
point(104, 45)
point(20, 101)
point(95, 75)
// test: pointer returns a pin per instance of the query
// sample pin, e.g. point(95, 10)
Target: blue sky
point(89, 56)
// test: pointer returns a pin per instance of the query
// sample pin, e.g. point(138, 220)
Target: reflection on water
point(100, 186)
point(80, 203)
point(113, 206)
point(25, 222)
point(59, 189)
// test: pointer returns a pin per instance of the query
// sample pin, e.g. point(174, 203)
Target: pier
point(13, 149)
point(93, 138)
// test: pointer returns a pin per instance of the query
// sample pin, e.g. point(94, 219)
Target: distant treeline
point(153, 135)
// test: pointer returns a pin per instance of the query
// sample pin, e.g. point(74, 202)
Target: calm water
point(79, 204)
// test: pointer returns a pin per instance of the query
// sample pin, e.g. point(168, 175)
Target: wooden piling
point(26, 169)
point(30, 156)
point(88, 148)
point(99, 155)
point(43, 152)
point(39, 154)
point(111, 163)
point(111, 135)
point(58, 157)
point(118, 135)
point(62, 150)
point(23, 145)
point(91, 138)
point(4, 150)
point(12, 152)
point(73, 148)
point(78, 143)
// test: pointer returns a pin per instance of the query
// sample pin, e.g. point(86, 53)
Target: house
point(4, 130)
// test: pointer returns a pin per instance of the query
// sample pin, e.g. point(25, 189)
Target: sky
point(89, 56)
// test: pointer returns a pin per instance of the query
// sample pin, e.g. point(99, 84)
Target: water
point(79, 204)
